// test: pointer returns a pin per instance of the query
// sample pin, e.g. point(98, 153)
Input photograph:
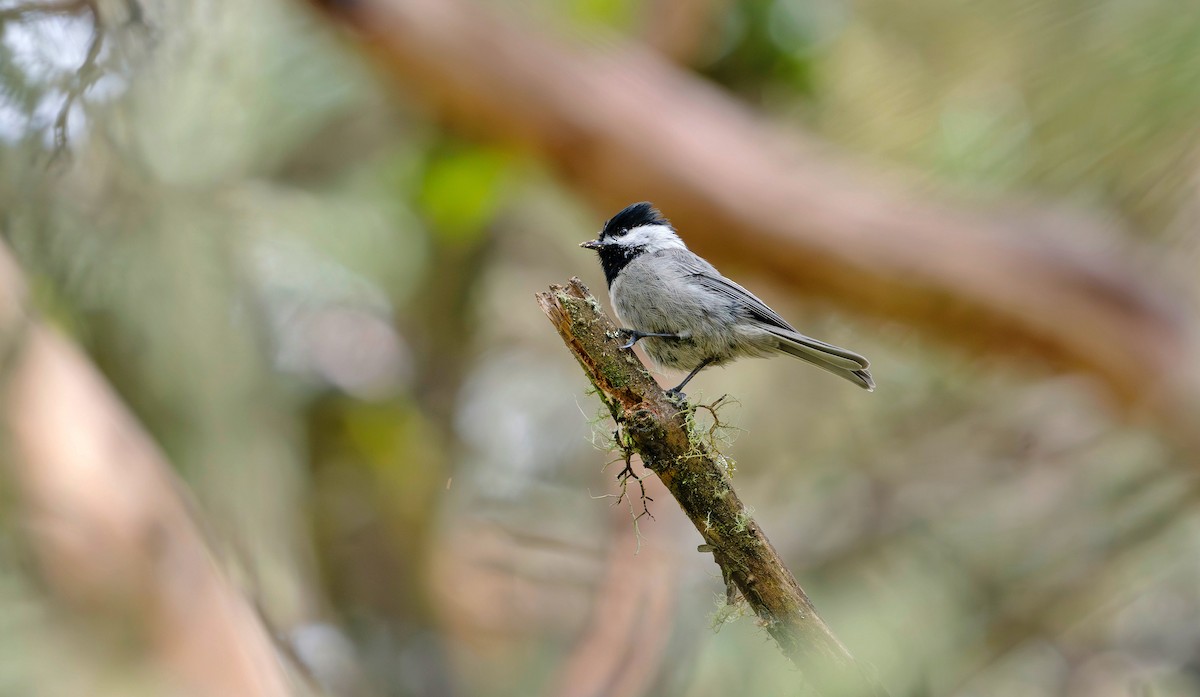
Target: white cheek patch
point(652, 238)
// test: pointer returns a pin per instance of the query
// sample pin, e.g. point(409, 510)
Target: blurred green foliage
point(319, 301)
point(773, 45)
point(463, 190)
point(1087, 102)
point(612, 14)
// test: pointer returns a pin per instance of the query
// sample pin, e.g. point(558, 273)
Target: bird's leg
point(678, 389)
point(636, 336)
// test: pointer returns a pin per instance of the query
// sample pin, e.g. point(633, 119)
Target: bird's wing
point(704, 273)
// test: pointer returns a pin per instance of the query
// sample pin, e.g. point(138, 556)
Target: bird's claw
point(676, 395)
point(637, 335)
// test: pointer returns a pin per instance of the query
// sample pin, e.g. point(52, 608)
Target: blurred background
point(308, 274)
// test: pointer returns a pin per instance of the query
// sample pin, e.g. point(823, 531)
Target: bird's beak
point(591, 244)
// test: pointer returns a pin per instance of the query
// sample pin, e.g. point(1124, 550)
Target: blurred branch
point(108, 522)
point(696, 476)
point(629, 126)
point(1054, 600)
point(24, 9)
point(86, 76)
point(88, 72)
point(624, 647)
point(678, 29)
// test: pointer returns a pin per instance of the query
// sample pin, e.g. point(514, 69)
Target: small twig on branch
point(88, 72)
point(86, 76)
point(696, 476)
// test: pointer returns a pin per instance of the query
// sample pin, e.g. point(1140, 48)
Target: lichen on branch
point(662, 432)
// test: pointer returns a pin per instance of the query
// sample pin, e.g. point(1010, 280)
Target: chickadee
point(691, 316)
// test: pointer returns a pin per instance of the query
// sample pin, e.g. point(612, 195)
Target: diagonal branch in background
point(625, 648)
point(696, 476)
point(110, 525)
point(21, 10)
point(626, 125)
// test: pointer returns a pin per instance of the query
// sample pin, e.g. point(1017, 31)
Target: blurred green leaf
point(462, 190)
point(618, 14)
point(772, 44)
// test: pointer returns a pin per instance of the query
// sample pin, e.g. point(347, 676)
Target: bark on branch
point(656, 429)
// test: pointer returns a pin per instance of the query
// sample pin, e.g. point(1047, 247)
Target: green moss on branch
point(665, 437)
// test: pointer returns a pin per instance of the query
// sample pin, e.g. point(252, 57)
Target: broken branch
point(696, 475)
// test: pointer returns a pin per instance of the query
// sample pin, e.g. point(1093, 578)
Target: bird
point(687, 314)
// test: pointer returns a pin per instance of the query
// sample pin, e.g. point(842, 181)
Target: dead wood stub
point(658, 431)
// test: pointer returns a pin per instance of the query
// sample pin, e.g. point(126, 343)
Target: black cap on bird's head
point(638, 229)
point(630, 217)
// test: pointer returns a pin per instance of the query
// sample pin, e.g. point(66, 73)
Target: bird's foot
point(636, 336)
point(677, 396)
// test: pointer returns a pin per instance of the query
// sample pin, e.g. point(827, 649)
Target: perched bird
point(688, 314)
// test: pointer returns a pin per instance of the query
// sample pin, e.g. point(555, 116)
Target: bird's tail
point(839, 361)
